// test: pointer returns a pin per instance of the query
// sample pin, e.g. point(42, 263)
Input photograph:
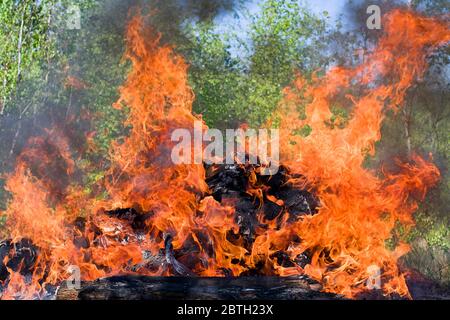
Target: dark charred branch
point(174, 288)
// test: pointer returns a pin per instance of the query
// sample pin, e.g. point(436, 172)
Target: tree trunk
point(19, 47)
point(407, 128)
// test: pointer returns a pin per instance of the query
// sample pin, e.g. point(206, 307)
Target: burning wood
point(228, 185)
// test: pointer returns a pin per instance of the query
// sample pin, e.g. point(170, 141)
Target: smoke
point(84, 71)
point(92, 55)
point(167, 16)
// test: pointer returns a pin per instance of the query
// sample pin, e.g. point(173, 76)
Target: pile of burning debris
point(227, 183)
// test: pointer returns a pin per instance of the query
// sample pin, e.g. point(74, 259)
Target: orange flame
point(359, 209)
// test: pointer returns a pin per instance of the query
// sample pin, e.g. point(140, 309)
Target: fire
point(170, 208)
point(358, 207)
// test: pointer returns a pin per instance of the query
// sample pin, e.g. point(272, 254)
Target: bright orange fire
point(359, 207)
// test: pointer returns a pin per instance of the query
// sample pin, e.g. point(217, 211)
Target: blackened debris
point(177, 267)
point(19, 257)
point(133, 216)
point(22, 256)
point(4, 251)
point(256, 196)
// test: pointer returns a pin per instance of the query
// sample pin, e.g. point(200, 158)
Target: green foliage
point(284, 40)
point(2, 226)
point(303, 131)
point(214, 75)
point(430, 242)
point(340, 117)
point(24, 42)
point(94, 56)
point(435, 231)
point(230, 91)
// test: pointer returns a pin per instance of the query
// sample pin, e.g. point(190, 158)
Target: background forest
point(240, 61)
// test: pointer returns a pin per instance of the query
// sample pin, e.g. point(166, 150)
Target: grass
point(430, 248)
point(2, 227)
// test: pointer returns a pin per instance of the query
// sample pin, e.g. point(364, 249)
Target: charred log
point(175, 288)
